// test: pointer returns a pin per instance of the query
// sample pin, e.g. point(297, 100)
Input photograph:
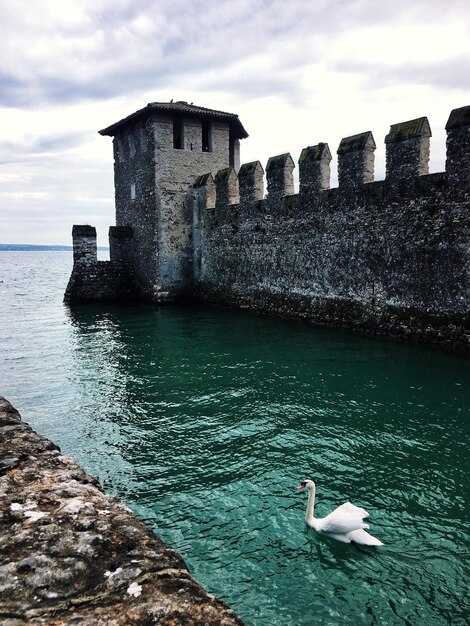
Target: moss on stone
point(356, 142)
point(278, 162)
point(224, 174)
point(407, 130)
point(407, 323)
point(250, 168)
point(312, 153)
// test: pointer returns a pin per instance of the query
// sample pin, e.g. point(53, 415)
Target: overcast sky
point(296, 72)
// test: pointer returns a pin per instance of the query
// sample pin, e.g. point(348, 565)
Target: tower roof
point(181, 108)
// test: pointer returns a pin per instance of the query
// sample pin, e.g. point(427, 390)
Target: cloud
point(42, 198)
point(94, 50)
point(448, 74)
point(16, 151)
point(296, 72)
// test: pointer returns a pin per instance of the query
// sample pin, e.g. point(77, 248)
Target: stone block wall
point(174, 174)
point(407, 152)
point(137, 201)
point(386, 256)
point(84, 245)
point(153, 182)
point(92, 280)
point(390, 256)
point(458, 150)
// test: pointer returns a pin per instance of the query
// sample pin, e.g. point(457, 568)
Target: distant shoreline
point(26, 247)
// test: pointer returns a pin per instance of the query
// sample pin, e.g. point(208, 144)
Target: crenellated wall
point(92, 280)
point(387, 256)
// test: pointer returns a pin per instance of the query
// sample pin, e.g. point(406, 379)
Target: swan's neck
point(310, 505)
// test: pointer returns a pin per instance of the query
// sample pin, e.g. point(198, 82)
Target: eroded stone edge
point(70, 554)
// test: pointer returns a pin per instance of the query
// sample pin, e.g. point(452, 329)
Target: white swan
point(343, 524)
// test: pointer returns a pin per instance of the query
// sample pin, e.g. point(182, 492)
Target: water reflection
point(203, 421)
point(209, 419)
point(217, 413)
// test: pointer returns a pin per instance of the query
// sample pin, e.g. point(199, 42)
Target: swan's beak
point(300, 487)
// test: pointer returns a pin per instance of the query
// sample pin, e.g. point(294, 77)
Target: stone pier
point(70, 554)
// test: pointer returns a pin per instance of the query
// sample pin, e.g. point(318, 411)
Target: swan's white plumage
point(344, 524)
point(360, 536)
point(344, 519)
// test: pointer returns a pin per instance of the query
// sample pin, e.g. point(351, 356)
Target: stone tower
point(158, 152)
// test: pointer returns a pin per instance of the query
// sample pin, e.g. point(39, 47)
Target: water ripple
point(205, 421)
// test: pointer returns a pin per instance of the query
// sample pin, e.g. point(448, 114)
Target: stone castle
point(389, 257)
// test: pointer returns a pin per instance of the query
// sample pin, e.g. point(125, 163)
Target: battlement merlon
point(121, 245)
point(226, 188)
point(279, 177)
point(251, 182)
point(458, 148)
point(84, 244)
point(401, 237)
point(407, 151)
point(314, 168)
point(204, 198)
point(204, 191)
point(356, 160)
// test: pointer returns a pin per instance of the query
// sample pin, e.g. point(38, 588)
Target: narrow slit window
point(120, 150)
point(133, 191)
point(206, 136)
point(178, 137)
point(231, 152)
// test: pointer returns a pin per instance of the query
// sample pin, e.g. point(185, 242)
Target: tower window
point(178, 135)
point(120, 150)
point(231, 152)
point(131, 146)
point(133, 191)
point(206, 136)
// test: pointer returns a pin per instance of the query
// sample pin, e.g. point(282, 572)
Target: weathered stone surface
point(152, 181)
point(279, 177)
point(84, 244)
point(314, 168)
point(389, 257)
point(356, 160)
point(373, 258)
point(92, 280)
point(101, 281)
point(72, 555)
point(407, 151)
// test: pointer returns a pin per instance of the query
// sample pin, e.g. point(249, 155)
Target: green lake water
point(203, 421)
